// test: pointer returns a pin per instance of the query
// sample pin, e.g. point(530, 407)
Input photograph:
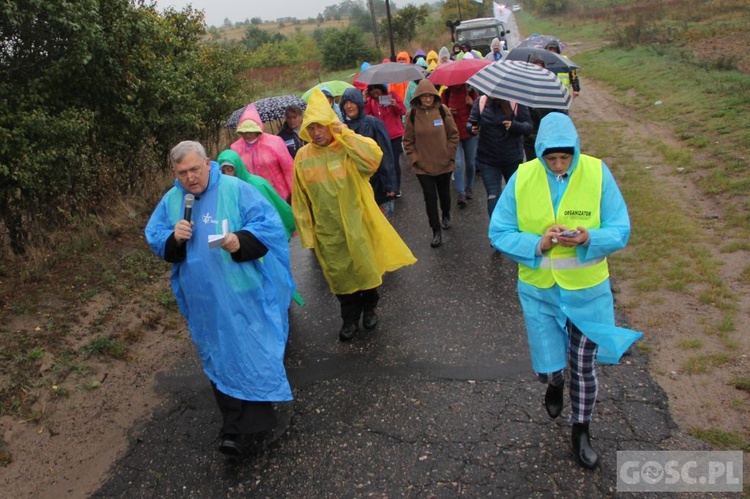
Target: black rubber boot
point(586, 455)
point(553, 400)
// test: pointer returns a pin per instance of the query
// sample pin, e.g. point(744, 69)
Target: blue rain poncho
point(236, 312)
point(547, 310)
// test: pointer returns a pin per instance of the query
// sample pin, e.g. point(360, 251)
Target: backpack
point(483, 102)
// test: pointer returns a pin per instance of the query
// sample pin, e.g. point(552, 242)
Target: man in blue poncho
point(559, 217)
point(235, 293)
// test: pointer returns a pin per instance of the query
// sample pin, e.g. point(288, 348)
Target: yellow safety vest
point(579, 206)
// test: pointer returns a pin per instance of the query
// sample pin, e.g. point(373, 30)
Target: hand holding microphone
point(183, 230)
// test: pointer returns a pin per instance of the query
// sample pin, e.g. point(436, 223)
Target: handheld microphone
point(189, 200)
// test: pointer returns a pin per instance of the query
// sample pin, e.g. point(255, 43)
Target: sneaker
point(469, 194)
point(446, 222)
point(347, 332)
point(398, 194)
point(461, 201)
point(369, 319)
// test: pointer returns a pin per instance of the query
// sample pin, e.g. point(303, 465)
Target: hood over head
point(554, 44)
point(318, 111)
point(250, 113)
point(495, 43)
point(228, 156)
point(422, 63)
point(354, 95)
point(425, 87)
point(432, 56)
point(556, 130)
point(364, 66)
point(444, 54)
point(403, 56)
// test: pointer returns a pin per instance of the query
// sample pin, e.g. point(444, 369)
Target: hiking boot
point(437, 238)
point(347, 332)
point(369, 319)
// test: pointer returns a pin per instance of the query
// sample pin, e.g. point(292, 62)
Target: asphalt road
point(438, 401)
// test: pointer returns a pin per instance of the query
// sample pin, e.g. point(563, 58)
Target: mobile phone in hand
point(569, 233)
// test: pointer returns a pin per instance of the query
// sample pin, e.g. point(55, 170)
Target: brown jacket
point(431, 141)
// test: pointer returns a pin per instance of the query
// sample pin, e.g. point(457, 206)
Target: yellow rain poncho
point(334, 206)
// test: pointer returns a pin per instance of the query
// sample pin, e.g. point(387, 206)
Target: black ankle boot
point(585, 454)
point(553, 399)
point(437, 238)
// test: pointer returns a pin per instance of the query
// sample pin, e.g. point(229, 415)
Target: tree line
point(93, 93)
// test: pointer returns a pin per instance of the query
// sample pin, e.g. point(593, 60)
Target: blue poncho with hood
point(384, 179)
point(547, 310)
point(236, 312)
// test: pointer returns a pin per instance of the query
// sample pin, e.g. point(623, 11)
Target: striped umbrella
point(525, 83)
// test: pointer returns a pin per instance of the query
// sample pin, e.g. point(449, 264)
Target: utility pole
point(460, 16)
point(374, 24)
point(390, 29)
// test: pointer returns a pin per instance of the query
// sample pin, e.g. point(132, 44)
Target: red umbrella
point(456, 73)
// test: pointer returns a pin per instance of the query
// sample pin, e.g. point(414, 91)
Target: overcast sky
point(268, 10)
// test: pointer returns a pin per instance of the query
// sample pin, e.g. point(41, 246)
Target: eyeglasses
point(195, 170)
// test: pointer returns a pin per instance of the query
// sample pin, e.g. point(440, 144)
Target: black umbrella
point(541, 41)
point(269, 109)
point(552, 61)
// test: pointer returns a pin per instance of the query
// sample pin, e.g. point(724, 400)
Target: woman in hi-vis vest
point(559, 217)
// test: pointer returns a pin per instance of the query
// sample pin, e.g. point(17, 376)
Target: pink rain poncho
point(267, 157)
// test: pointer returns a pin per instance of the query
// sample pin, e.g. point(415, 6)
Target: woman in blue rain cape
point(559, 217)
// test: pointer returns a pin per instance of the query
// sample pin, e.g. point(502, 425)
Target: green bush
point(344, 48)
point(93, 94)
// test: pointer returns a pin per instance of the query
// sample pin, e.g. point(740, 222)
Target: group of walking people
point(333, 181)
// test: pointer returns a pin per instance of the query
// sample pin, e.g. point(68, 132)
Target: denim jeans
point(466, 169)
point(493, 178)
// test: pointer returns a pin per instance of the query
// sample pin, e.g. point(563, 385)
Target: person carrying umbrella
point(383, 181)
point(569, 78)
point(264, 154)
point(558, 218)
point(389, 108)
point(460, 99)
point(430, 142)
point(501, 125)
point(336, 214)
point(537, 113)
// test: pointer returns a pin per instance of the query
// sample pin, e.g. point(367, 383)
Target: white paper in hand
point(216, 240)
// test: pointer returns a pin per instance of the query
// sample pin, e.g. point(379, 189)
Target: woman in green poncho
point(231, 164)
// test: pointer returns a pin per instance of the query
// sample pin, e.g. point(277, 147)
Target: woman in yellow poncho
point(336, 214)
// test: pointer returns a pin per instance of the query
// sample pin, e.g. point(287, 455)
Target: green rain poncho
point(335, 210)
point(263, 185)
